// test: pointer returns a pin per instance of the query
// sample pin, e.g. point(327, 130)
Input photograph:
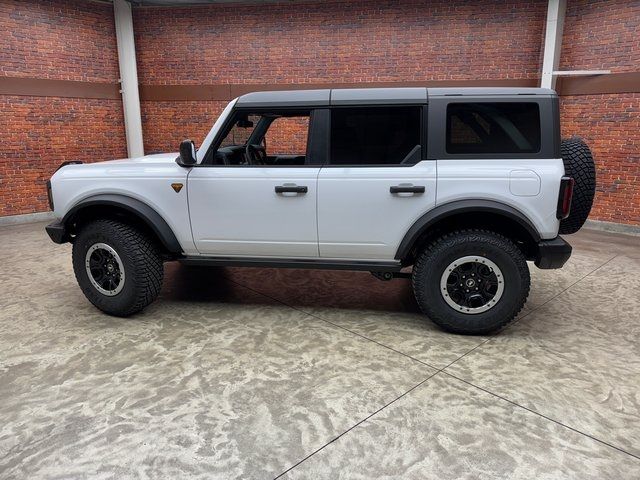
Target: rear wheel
point(118, 268)
point(471, 281)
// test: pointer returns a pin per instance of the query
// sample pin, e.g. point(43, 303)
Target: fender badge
point(176, 187)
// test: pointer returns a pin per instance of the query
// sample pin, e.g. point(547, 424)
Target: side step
point(322, 264)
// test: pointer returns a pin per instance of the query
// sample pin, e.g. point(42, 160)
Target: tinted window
point(371, 136)
point(493, 128)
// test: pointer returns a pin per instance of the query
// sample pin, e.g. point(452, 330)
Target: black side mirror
point(187, 157)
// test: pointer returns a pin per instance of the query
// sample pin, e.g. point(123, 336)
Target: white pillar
point(553, 42)
point(128, 77)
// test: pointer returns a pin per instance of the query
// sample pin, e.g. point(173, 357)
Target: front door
point(257, 195)
point(376, 184)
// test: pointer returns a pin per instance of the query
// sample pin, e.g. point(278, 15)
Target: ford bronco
point(456, 188)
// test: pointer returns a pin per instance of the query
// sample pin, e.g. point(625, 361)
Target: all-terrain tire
point(439, 255)
point(579, 164)
point(140, 259)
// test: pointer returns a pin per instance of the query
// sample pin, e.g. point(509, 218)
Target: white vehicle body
point(339, 218)
point(347, 213)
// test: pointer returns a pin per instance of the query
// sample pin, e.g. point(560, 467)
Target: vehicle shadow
point(293, 287)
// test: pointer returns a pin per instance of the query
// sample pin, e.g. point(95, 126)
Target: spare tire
point(578, 164)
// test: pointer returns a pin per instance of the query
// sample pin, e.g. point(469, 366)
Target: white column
point(553, 42)
point(128, 77)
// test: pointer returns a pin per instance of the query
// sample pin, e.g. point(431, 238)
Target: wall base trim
point(612, 227)
point(26, 218)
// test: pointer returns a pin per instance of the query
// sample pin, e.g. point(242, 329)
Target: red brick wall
point(166, 124)
point(606, 35)
point(601, 35)
point(610, 124)
point(331, 41)
point(61, 40)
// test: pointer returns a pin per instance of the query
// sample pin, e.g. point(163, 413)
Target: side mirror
point(187, 157)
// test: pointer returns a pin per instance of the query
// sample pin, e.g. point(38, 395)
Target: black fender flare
point(461, 206)
point(138, 208)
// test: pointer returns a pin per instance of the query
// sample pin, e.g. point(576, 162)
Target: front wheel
point(471, 281)
point(118, 268)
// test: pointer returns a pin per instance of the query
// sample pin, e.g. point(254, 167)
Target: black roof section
point(375, 96)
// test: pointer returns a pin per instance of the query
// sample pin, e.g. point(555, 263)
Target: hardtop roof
point(377, 96)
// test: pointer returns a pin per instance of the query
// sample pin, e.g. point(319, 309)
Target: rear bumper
point(57, 232)
point(552, 253)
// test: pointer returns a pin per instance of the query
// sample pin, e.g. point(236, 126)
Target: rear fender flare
point(461, 206)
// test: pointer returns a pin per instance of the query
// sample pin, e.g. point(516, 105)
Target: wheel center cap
point(470, 282)
point(110, 267)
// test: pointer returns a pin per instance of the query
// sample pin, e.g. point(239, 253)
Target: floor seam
point(540, 414)
point(405, 354)
point(564, 290)
point(335, 325)
point(521, 406)
point(534, 309)
point(356, 425)
point(442, 370)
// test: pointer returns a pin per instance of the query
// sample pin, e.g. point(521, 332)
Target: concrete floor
point(246, 373)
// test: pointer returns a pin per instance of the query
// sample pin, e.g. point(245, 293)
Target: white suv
point(462, 185)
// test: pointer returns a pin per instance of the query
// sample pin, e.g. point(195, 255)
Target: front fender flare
point(461, 206)
point(138, 208)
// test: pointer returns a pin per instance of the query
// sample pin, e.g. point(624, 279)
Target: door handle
point(291, 189)
point(406, 189)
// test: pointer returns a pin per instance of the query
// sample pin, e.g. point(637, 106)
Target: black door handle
point(406, 189)
point(291, 189)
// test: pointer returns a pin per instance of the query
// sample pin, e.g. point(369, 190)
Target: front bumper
point(552, 253)
point(57, 232)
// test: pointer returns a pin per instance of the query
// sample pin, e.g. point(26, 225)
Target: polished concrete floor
point(247, 373)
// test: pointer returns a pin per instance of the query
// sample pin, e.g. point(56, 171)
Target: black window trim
point(423, 136)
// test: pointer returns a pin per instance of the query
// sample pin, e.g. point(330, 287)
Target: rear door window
point(493, 128)
point(375, 136)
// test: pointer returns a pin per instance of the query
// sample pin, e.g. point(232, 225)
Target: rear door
point(376, 183)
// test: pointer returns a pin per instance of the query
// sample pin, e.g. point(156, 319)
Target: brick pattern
point(610, 124)
point(601, 35)
point(340, 41)
point(61, 40)
point(58, 39)
point(40, 133)
point(166, 124)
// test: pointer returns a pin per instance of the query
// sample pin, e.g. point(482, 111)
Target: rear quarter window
point(493, 128)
